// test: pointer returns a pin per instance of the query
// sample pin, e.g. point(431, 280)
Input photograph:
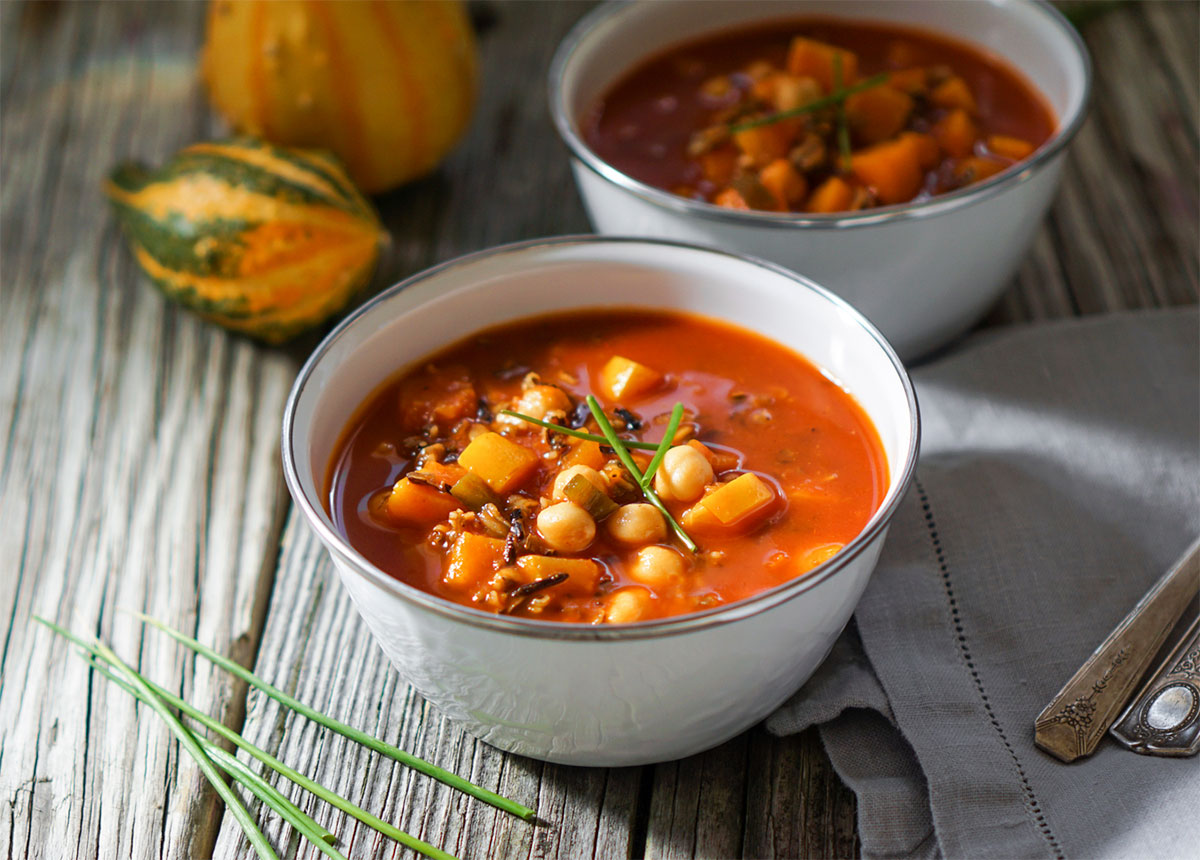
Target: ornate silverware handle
point(1164, 719)
point(1073, 723)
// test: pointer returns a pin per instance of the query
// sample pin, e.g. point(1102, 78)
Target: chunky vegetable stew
point(818, 116)
point(489, 477)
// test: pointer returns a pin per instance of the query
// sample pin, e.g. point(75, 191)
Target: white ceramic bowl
point(599, 695)
point(921, 273)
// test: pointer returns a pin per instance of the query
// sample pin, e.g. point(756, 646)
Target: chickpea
point(564, 477)
point(637, 524)
point(537, 401)
point(683, 474)
point(566, 527)
point(626, 605)
point(657, 566)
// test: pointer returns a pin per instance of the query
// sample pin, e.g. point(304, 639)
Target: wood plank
point(140, 466)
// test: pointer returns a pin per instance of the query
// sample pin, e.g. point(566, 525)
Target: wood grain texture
point(140, 463)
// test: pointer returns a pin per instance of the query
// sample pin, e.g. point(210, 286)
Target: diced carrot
point(927, 148)
point(473, 559)
point(832, 195)
point(910, 81)
point(623, 378)
point(808, 57)
point(878, 113)
point(891, 169)
point(413, 504)
point(1009, 147)
point(955, 133)
point(765, 143)
point(953, 93)
point(732, 504)
point(501, 463)
point(585, 453)
point(785, 183)
point(977, 168)
point(718, 164)
point(582, 573)
point(731, 199)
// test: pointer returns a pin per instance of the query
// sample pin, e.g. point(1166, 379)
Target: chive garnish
point(257, 785)
point(356, 735)
point(837, 97)
point(161, 698)
point(578, 434)
point(843, 128)
point(667, 439)
point(644, 481)
point(188, 742)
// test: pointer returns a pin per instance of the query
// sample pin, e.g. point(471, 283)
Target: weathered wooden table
point(141, 466)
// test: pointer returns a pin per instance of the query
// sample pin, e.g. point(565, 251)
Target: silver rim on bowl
point(314, 513)
point(938, 205)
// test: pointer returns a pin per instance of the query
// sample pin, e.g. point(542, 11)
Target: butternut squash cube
point(878, 113)
point(953, 93)
point(473, 559)
point(955, 133)
point(808, 57)
point(744, 495)
point(624, 379)
point(1009, 147)
point(585, 453)
point(832, 195)
point(412, 504)
point(582, 573)
point(504, 465)
point(891, 169)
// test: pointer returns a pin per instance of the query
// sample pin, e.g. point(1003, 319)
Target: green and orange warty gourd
point(262, 240)
point(386, 85)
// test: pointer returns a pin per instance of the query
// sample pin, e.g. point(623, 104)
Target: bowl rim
point(565, 630)
point(940, 204)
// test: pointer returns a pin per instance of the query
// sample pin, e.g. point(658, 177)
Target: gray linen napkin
point(1059, 478)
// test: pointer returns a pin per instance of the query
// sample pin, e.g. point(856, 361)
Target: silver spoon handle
point(1073, 723)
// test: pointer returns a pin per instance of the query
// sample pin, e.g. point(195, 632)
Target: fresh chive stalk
point(356, 735)
point(256, 784)
point(667, 439)
point(837, 97)
point(330, 797)
point(189, 743)
point(578, 434)
point(843, 128)
point(618, 445)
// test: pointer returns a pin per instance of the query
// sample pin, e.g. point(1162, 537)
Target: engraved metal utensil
point(1077, 718)
point(1164, 719)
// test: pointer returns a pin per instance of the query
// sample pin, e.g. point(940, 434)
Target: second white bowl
point(922, 273)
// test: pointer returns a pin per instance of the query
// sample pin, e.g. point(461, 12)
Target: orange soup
point(484, 476)
point(818, 115)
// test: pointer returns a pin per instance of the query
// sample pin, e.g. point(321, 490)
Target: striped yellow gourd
point(262, 240)
point(386, 85)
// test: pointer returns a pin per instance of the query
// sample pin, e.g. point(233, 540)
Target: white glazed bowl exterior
point(922, 274)
point(605, 695)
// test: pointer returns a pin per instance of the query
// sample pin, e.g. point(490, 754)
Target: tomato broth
point(411, 483)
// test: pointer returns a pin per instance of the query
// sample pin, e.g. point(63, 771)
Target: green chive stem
point(618, 445)
point(838, 96)
point(253, 782)
point(269, 760)
point(189, 743)
point(843, 128)
point(667, 439)
point(356, 735)
point(578, 434)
